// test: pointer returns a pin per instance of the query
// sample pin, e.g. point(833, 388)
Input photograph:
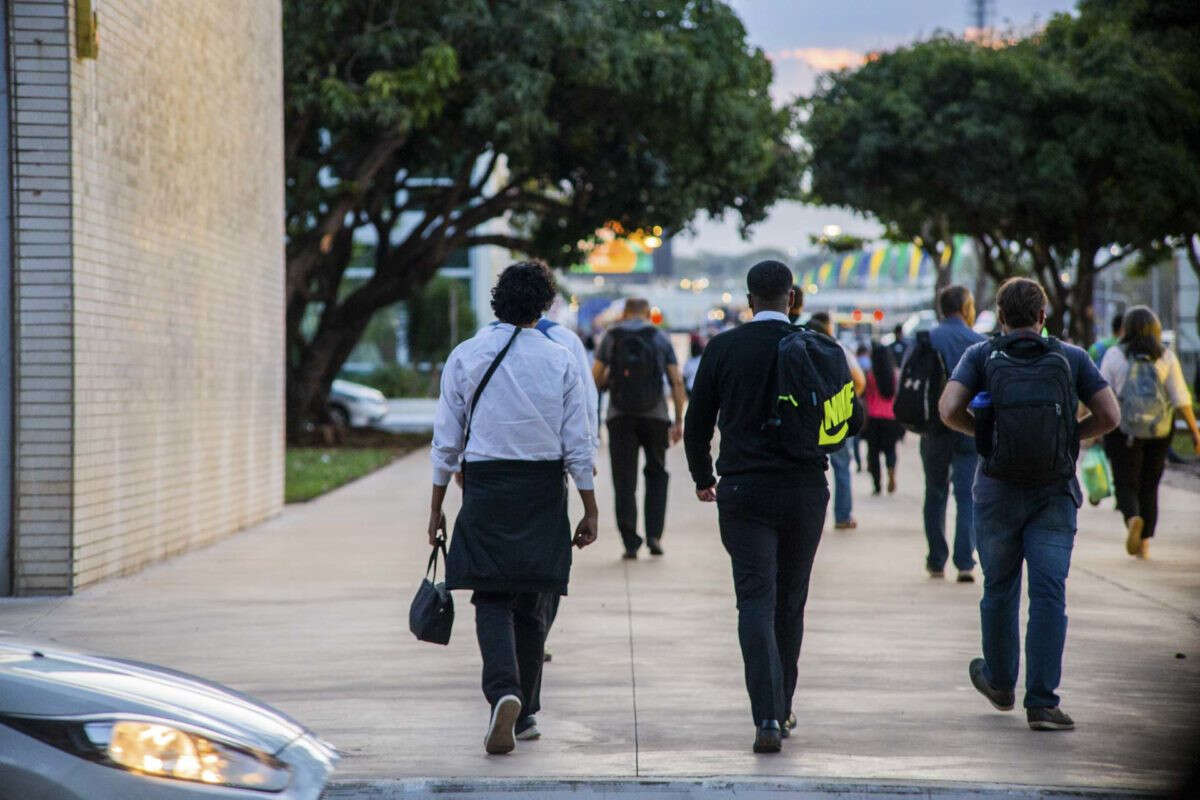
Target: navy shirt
point(970, 373)
point(951, 338)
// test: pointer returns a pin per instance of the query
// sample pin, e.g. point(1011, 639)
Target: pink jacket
point(878, 406)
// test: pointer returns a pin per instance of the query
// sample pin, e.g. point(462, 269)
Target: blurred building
point(141, 413)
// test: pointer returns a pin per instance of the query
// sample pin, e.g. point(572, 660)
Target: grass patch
point(313, 471)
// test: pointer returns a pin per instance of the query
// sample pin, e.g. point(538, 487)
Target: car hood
point(357, 391)
point(39, 680)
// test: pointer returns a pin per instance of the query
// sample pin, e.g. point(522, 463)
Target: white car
point(353, 405)
point(85, 727)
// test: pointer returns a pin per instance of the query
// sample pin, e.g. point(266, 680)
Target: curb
point(707, 788)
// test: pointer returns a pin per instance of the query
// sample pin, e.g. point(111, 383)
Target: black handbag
point(431, 615)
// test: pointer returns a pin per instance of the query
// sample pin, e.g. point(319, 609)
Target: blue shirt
point(970, 373)
point(951, 338)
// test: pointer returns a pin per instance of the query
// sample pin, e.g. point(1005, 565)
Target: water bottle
point(981, 409)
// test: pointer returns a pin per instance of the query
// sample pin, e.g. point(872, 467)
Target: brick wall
point(171, 312)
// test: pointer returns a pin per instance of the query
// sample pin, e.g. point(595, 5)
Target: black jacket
point(731, 392)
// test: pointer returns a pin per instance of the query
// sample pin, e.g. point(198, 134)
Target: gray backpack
point(1146, 410)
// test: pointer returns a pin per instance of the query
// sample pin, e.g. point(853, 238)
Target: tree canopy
point(434, 126)
point(1059, 153)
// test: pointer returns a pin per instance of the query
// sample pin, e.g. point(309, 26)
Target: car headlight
point(158, 748)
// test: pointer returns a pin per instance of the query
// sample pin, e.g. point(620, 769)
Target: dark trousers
point(626, 436)
point(1137, 469)
point(770, 529)
point(881, 436)
point(949, 460)
point(512, 629)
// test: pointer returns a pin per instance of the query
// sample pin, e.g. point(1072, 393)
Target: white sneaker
point(529, 732)
point(500, 739)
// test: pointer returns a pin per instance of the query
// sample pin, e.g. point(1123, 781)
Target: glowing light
point(856, 315)
point(656, 315)
point(598, 280)
point(878, 315)
point(831, 231)
point(702, 283)
point(653, 242)
point(657, 229)
point(726, 297)
point(812, 288)
point(685, 283)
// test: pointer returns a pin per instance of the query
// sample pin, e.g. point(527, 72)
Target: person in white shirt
point(512, 419)
point(1137, 458)
point(561, 334)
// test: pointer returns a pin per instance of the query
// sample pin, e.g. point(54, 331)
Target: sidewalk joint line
point(637, 770)
point(1137, 592)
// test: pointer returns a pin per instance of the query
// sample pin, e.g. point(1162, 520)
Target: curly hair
point(523, 293)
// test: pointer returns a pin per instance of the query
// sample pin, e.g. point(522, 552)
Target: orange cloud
point(822, 59)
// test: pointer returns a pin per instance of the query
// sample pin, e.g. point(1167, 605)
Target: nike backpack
point(1033, 439)
point(922, 379)
point(813, 406)
point(1146, 409)
point(635, 381)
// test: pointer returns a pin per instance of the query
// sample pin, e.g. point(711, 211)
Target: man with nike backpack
point(1024, 391)
point(784, 398)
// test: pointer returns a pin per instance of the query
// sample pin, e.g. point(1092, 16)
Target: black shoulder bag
point(431, 615)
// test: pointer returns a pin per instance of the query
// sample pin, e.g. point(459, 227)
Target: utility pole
point(981, 14)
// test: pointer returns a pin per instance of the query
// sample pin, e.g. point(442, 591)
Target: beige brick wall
point(150, 259)
point(177, 193)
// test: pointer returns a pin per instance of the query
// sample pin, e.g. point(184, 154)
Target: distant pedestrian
point(1100, 347)
point(1150, 387)
point(512, 418)
point(862, 357)
point(839, 462)
point(771, 499)
point(882, 431)
point(695, 350)
point(949, 457)
point(899, 345)
point(1024, 390)
point(632, 361)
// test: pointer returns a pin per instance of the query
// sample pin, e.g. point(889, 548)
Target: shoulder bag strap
point(487, 376)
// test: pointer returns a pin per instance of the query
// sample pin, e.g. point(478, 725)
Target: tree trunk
point(310, 377)
point(1083, 315)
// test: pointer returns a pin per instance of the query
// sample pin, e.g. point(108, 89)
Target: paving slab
point(308, 612)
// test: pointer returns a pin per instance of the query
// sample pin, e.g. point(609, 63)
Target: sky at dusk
point(806, 37)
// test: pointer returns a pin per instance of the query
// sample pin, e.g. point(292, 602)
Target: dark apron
point(512, 534)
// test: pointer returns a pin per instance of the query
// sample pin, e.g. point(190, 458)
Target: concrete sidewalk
point(308, 612)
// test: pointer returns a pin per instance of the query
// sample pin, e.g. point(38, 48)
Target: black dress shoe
point(769, 737)
point(1001, 699)
point(629, 555)
point(655, 547)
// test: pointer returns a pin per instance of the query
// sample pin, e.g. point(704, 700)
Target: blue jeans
point(1037, 527)
point(842, 503)
point(949, 459)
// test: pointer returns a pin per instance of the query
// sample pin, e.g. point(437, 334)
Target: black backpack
point(635, 374)
point(1032, 440)
point(922, 379)
point(813, 409)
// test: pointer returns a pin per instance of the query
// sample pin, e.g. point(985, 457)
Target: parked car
point(86, 727)
point(353, 405)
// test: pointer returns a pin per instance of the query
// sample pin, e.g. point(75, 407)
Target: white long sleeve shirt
point(533, 409)
point(1114, 368)
point(563, 335)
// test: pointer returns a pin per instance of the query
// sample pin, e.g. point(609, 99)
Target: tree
point(433, 126)
point(912, 138)
point(1059, 154)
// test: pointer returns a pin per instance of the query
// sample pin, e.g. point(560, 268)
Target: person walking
point(512, 419)
point(948, 457)
point(862, 357)
point(631, 362)
point(882, 431)
point(1150, 387)
point(771, 505)
point(839, 462)
point(1100, 347)
point(899, 346)
point(1024, 390)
